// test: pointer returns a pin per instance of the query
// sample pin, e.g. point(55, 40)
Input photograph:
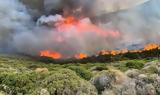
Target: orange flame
point(81, 56)
point(147, 47)
point(81, 26)
point(57, 55)
point(70, 20)
point(151, 46)
point(52, 54)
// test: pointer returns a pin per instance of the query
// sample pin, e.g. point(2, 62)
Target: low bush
point(66, 82)
point(135, 64)
point(18, 82)
point(82, 72)
point(150, 69)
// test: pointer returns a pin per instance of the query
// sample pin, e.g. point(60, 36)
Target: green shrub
point(134, 64)
point(66, 82)
point(82, 72)
point(18, 82)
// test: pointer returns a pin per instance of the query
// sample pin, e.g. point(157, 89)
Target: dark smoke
point(137, 24)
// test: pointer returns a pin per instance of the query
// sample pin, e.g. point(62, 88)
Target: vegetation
point(82, 72)
point(134, 65)
point(30, 75)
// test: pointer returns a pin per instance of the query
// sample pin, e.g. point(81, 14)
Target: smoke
point(114, 28)
point(13, 19)
point(139, 24)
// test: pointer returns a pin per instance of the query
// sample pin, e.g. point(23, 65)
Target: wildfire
point(81, 56)
point(151, 46)
point(76, 28)
point(147, 47)
point(52, 54)
point(57, 55)
point(70, 20)
point(83, 26)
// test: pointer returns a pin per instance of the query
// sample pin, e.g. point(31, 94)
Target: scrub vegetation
point(27, 75)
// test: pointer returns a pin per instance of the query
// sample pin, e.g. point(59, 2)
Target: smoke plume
point(78, 26)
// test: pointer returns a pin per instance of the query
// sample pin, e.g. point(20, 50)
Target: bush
point(66, 82)
point(61, 82)
point(18, 83)
point(82, 72)
point(135, 65)
point(150, 69)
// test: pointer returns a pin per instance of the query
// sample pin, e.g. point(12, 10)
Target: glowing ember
point(81, 56)
point(52, 54)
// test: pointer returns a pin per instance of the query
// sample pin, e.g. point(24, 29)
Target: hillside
point(26, 75)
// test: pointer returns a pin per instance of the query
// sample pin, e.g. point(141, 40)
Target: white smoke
point(13, 19)
point(19, 33)
point(140, 24)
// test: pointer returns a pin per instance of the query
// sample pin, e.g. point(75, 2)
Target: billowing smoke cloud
point(136, 25)
point(13, 19)
point(139, 24)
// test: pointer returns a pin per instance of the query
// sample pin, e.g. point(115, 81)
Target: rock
point(41, 70)
point(103, 80)
point(107, 79)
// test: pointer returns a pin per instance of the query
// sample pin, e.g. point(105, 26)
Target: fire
point(81, 56)
point(151, 46)
point(57, 55)
point(69, 20)
point(104, 52)
point(147, 47)
point(76, 28)
point(85, 25)
point(52, 54)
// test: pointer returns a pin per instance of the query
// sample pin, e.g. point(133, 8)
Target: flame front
point(151, 46)
point(81, 56)
point(52, 54)
point(147, 47)
point(57, 55)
